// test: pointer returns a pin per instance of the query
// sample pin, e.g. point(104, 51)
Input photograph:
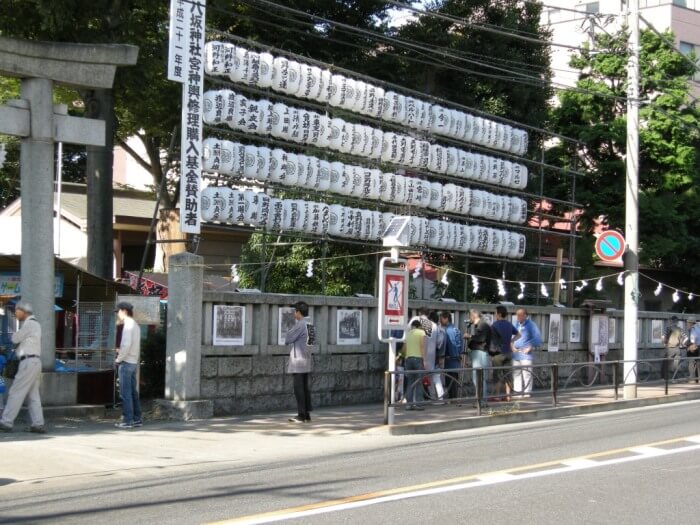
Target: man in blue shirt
point(503, 331)
point(530, 338)
point(454, 347)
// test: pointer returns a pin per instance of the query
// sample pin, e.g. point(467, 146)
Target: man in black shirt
point(479, 339)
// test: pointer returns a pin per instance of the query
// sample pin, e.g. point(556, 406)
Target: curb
point(466, 423)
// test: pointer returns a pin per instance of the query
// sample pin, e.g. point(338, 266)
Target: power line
point(489, 28)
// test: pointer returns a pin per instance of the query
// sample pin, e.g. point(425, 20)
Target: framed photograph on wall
point(612, 326)
point(575, 331)
point(554, 333)
point(285, 321)
point(349, 327)
point(229, 325)
point(599, 335)
point(657, 331)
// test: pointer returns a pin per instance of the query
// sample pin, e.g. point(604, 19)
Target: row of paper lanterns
point(301, 80)
point(230, 206)
point(297, 170)
point(263, 117)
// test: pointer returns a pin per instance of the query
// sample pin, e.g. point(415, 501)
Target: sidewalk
point(77, 452)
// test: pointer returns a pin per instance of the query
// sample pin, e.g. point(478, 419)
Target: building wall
point(73, 241)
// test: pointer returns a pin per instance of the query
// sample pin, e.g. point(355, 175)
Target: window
point(691, 49)
point(680, 3)
point(687, 48)
point(592, 7)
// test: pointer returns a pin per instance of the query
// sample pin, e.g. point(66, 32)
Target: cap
point(124, 306)
point(25, 307)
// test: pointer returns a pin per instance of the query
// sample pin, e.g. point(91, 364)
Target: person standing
point(479, 339)
point(693, 353)
point(504, 332)
point(415, 349)
point(301, 336)
point(434, 343)
point(674, 338)
point(454, 348)
point(530, 338)
point(28, 378)
point(127, 361)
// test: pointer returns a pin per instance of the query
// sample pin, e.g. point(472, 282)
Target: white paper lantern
point(213, 57)
point(374, 100)
point(310, 80)
point(423, 154)
point(294, 82)
point(357, 140)
point(399, 189)
point(466, 206)
point(418, 232)
point(357, 177)
point(438, 159)
point(452, 161)
point(459, 199)
point(210, 204)
point(477, 130)
point(234, 206)
point(360, 96)
point(239, 119)
point(295, 121)
point(432, 236)
point(519, 180)
point(337, 90)
point(385, 220)
point(387, 187)
point(336, 220)
point(468, 131)
point(453, 234)
point(306, 124)
point(394, 107)
point(250, 168)
point(443, 235)
point(324, 175)
point(312, 173)
point(211, 154)
point(253, 123)
point(212, 107)
point(346, 178)
point(237, 160)
point(460, 123)
point(412, 153)
point(422, 189)
point(266, 70)
point(494, 170)
point(423, 122)
point(325, 92)
point(435, 202)
point(374, 190)
point(336, 183)
point(252, 73)
point(263, 171)
point(389, 147)
point(439, 120)
point(412, 112)
point(240, 65)
point(280, 74)
point(462, 242)
point(275, 215)
point(521, 246)
point(291, 170)
point(448, 197)
point(489, 133)
point(346, 134)
point(349, 102)
point(411, 195)
point(508, 137)
point(478, 203)
point(280, 121)
point(303, 166)
point(278, 162)
point(466, 165)
point(483, 167)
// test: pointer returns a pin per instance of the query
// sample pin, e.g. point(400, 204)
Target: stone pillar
point(184, 341)
point(99, 104)
point(36, 184)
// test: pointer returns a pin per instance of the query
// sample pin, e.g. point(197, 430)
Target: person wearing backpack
point(674, 338)
point(530, 338)
point(479, 337)
point(502, 336)
point(302, 337)
point(454, 348)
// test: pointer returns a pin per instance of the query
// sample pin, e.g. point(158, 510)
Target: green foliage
point(669, 140)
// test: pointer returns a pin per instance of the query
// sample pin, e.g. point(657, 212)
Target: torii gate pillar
point(40, 125)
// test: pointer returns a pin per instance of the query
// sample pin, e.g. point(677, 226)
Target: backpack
point(496, 344)
point(310, 334)
point(674, 338)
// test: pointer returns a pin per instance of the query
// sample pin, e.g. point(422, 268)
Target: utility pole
point(631, 257)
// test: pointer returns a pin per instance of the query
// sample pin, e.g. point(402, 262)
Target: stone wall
point(250, 377)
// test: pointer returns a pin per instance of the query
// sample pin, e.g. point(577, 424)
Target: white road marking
point(478, 480)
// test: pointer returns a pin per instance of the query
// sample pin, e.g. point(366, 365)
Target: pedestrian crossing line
point(561, 466)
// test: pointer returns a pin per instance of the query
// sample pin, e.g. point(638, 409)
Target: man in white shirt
point(127, 360)
point(28, 378)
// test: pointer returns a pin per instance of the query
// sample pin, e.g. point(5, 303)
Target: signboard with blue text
point(11, 284)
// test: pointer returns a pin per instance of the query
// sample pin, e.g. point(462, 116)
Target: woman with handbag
point(302, 337)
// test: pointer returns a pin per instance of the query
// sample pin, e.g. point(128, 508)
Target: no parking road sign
point(610, 246)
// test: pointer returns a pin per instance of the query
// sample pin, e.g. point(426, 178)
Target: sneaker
point(37, 429)
point(138, 423)
point(418, 407)
point(296, 419)
point(124, 425)
point(5, 428)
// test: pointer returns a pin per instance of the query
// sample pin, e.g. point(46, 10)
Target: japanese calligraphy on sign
point(185, 65)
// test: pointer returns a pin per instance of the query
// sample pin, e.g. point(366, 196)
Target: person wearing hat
point(693, 350)
point(28, 378)
point(127, 361)
point(675, 337)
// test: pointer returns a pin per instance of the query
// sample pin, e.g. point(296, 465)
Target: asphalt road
point(577, 470)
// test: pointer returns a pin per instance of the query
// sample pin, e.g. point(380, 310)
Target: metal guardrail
point(548, 380)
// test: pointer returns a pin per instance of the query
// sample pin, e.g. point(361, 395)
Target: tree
point(669, 140)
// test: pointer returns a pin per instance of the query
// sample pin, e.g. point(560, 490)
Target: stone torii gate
point(40, 124)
